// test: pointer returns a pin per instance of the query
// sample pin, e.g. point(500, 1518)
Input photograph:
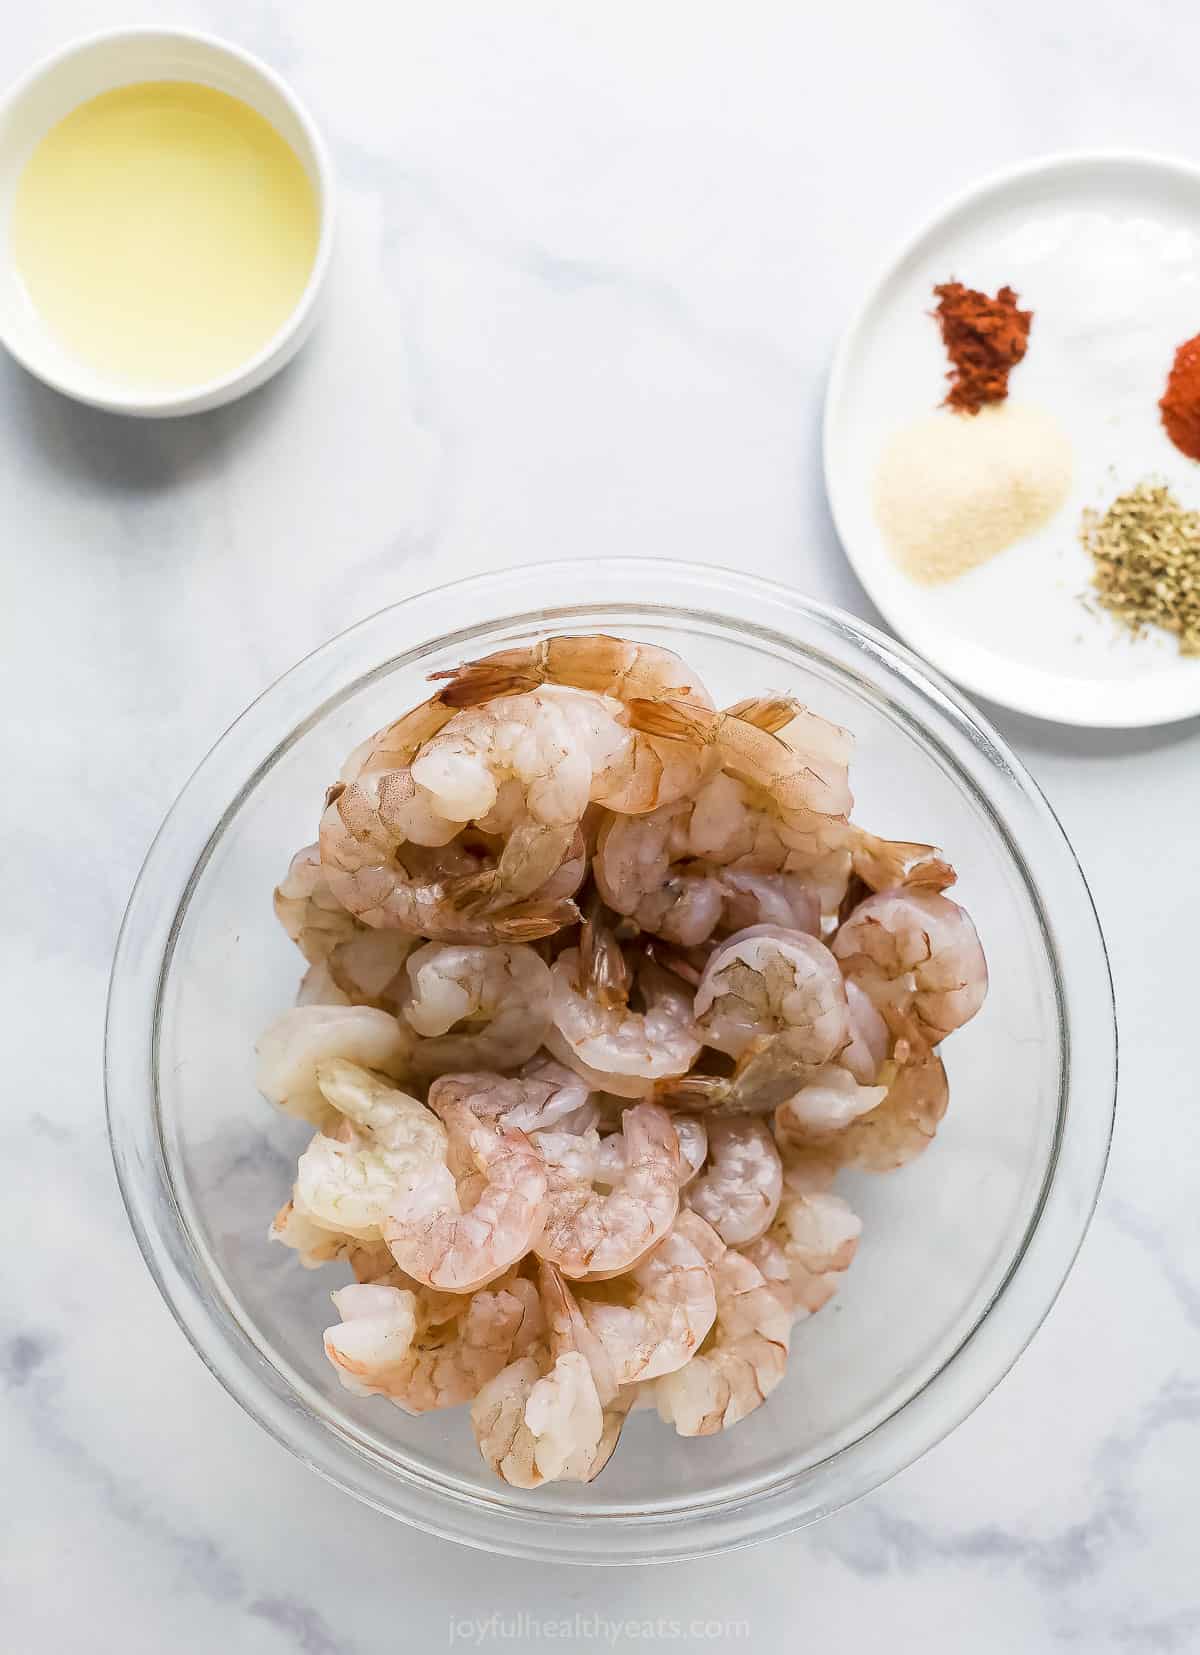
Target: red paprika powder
point(984, 339)
point(1181, 400)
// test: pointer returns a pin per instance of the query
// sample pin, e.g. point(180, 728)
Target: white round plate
point(1104, 334)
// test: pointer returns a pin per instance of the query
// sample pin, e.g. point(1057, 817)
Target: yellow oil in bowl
point(165, 231)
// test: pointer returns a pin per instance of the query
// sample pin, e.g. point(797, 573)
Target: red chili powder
point(984, 339)
point(1181, 400)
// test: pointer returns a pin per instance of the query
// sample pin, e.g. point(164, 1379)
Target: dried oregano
point(1146, 549)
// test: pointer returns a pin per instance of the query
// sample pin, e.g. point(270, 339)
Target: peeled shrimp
point(420, 892)
point(652, 1320)
point(313, 1244)
point(346, 1180)
point(739, 1192)
point(916, 956)
point(376, 806)
point(643, 869)
point(534, 1427)
point(818, 1236)
point(291, 1049)
point(693, 1146)
point(495, 1000)
point(867, 1051)
point(307, 909)
point(523, 767)
point(392, 1343)
point(597, 663)
point(557, 1414)
point(385, 843)
point(349, 964)
point(433, 1239)
point(372, 1343)
point(595, 1031)
point(903, 1124)
point(641, 771)
point(742, 1361)
point(772, 982)
point(804, 770)
point(826, 1104)
point(546, 1096)
point(837, 1094)
point(593, 1233)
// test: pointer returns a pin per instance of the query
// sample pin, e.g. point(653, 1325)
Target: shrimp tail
point(692, 1092)
point(882, 864)
point(473, 683)
point(771, 713)
point(528, 921)
point(604, 974)
point(670, 720)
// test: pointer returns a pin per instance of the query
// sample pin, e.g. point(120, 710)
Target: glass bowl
point(962, 1252)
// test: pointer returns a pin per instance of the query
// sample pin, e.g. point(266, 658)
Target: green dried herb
point(1146, 549)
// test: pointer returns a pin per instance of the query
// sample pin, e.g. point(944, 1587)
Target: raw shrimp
point(556, 1414)
point(767, 1255)
point(372, 1343)
point(903, 1124)
point(642, 771)
point(595, 1234)
point(317, 987)
point(916, 956)
point(547, 1095)
point(495, 1000)
point(521, 767)
point(307, 909)
point(837, 1094)
point(433, 1239)
point(637, 875)
point(645, 869)
point(401, 1344)
point(350, 964)
point(652, 1320)
point(867, 1051)
point(378, 806)
point(597, 663)
point(314, 1245)
point(742, 1361)
point(419, 891)
point(739, 1192)
point(570, 1106)
point(782, 899)
point(827, 1103)
point(803, 770)
point(818, 1236)
point(566, 1330)
point(596, 1033)
point(767, 981)
point(775, 1001)
point(290, 1050)
point(693, 1146)
point(346, 1181)
point(534, 1427)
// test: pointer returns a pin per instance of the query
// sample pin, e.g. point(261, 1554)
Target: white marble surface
point(592, 264)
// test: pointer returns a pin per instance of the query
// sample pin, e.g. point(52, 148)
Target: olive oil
point(164, 231)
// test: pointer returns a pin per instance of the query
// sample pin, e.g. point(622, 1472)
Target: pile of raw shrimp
point(604, 989)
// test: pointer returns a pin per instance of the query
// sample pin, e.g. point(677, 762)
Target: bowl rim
point(153, 920)
point(276, 351)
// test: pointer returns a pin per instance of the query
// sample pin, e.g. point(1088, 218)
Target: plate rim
point(1138, 715)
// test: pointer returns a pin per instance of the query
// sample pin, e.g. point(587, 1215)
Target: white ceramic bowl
point(83, 70)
